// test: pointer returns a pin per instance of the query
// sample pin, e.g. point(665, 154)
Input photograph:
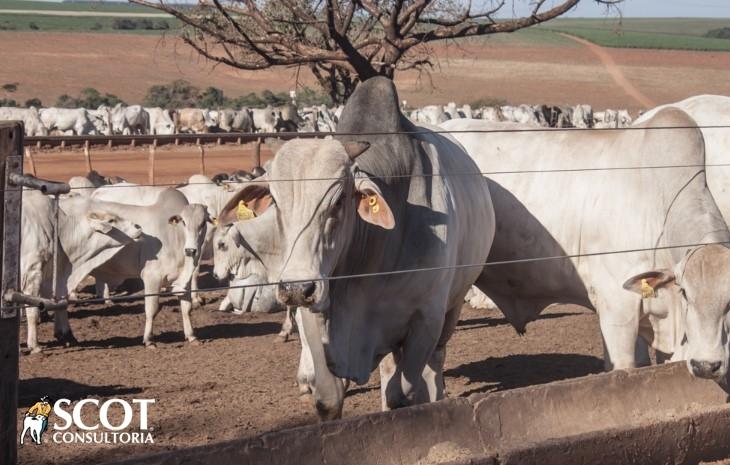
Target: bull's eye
point(683, 293)
point(112, 221)
point(221, 246)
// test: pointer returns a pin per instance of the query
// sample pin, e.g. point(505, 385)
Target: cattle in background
point(161, 121)
point(368, 194)
point(68, 120)
point(668, 297)
point(101, 118)
point(130, 120)
point(193, 120)
point(264, 119)
point(33, 126)
point(89, 233)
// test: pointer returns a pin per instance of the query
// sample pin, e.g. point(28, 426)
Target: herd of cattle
point(135, 119)
point(336, 231)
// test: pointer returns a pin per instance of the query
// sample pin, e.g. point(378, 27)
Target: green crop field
point(106, 7)
point(656, 33)
point(91, 24)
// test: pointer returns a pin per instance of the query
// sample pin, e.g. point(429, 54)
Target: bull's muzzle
point(299, 294)
point(705, 369)
point(190, 252)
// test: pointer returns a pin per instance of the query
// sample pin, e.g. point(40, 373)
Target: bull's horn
point(355, 148)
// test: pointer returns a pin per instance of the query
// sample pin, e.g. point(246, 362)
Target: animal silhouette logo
point(36, 420)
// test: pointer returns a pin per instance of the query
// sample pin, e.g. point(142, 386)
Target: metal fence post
point(11, 161)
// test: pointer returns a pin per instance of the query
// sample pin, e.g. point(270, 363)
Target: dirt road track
point(615, 71)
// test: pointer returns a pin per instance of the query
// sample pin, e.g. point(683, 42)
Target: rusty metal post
point(87, 156)
point(31, 161)
point(202, 159)
point(11, 161)
point(257, 152)
point(151, 172)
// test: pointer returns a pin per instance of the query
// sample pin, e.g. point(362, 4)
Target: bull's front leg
point(62, 328)
point(287, 327)
point(619, 321)
point(33, 317)
point(151, 307)
point(196, 299)
point(418, 348)
point(186, 307)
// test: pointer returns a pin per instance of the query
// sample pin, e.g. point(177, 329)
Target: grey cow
point(378, 203)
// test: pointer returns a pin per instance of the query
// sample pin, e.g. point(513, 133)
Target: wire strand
point(136, 297)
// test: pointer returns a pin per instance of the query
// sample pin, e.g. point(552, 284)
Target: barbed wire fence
point(56, 189)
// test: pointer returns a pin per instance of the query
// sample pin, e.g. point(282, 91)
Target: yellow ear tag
point(243, 212)
point(215, 221)
point(227, 187)
point(373, 202)
point(647, 292)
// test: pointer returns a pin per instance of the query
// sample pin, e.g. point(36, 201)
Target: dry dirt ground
point(559, 71)
point(241, 382)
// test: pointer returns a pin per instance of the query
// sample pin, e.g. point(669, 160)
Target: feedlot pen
point(240, 383)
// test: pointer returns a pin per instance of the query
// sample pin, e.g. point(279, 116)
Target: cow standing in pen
point(377, 202)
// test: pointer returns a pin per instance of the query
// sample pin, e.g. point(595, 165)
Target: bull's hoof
point(67, 340)
point(150, 345)
point(282, 337)
point(197, 303)
point(194, 341)
point(36, 351)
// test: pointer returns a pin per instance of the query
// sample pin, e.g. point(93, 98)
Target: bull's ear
point(99, 222)
point(646, 284)
point(372, 207)
point(174, 219)
point(254, 198)
point(355, 148)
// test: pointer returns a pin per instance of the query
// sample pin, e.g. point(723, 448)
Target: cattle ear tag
point(214, 221)
point(373, 202)
point(647, 292)
point(227, 187)
point(243, 212)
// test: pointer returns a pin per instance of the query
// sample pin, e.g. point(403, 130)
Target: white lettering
point(104, 415)
point(62, 414)
point(143, 411)
point(77, 414)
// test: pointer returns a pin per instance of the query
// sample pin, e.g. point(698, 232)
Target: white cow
point(76, 121)
point(101, 118)
point(709, 110)
point(90, 233)
point(168, 255)
point(675, 298)
point(129, 120)
point(264, 119)
point(30, 117)
point(160, 121)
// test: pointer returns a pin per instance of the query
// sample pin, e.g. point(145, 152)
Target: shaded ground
point(241, 382)
point(529, 67)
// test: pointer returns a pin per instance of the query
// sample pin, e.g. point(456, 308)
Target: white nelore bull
point(129, 120)
point(161, 121)
point(377, 205)
point(709, 110)
point(68, 120)
point(89, 233)
point(670, 291)
point(29, 116)
point(168, 255)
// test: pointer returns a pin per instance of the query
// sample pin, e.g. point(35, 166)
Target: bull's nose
point(705, 369)
point(296, 293)
point(190, 252)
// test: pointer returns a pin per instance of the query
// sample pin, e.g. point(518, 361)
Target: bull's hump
point(373, 107)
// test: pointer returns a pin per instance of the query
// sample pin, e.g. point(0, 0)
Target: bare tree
point(342, 42)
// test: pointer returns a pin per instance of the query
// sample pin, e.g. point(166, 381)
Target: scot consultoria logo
point(89, 421)
point(35, 421)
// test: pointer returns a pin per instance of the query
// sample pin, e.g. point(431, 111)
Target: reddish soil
point(172, 164)
point(49, 64)
point(241, 382)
